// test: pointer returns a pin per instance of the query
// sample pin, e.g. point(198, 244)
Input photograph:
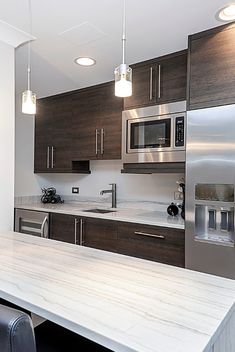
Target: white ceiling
point(66, 29)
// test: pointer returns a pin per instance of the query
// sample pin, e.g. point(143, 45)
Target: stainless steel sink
point(99, 211)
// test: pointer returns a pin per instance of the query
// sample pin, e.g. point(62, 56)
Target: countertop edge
point(120, 218)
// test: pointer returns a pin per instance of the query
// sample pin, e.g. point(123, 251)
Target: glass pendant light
point(123, 73)
point(28, 97)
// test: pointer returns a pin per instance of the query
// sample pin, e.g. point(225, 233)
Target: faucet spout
point(113, 191)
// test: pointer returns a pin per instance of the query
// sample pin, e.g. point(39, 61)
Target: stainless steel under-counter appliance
point(154, 134)
point(209, 196)
point(32, 222)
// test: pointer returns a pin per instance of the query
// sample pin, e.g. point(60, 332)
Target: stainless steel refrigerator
point(209, 192)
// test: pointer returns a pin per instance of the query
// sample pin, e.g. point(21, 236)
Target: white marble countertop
point(124, 303)
point(141, 216)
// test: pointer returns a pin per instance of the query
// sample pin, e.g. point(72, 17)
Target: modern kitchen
point(117, 216)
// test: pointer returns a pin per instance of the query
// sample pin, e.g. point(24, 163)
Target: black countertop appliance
point(50, 196)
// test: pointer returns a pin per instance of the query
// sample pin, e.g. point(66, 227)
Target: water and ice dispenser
point(214, 213)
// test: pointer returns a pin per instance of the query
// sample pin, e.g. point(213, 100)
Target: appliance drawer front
point(32, 222)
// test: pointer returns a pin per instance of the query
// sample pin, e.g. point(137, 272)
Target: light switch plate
point(178, 196)
point(75, 190)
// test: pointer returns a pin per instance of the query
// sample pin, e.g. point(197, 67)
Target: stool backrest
point(16, 331)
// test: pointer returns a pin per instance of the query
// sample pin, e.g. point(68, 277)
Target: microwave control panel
point(179, 131)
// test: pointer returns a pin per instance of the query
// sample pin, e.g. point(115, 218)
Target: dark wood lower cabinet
point(90, 232)
point(161, 244)
point(62, 227)
point(100, 234)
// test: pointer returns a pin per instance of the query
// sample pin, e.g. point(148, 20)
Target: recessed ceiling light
point(226, 14)
point(85, 61)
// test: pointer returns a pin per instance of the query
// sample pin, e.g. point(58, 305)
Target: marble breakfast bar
point(123, 303)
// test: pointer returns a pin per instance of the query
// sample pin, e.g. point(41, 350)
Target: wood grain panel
point(168, 248)
point(211, 74)
point(100, 234)
point(62, 227)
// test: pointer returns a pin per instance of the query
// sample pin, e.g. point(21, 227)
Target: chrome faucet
point(114, 195)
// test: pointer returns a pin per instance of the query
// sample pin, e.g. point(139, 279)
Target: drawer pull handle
point(149, 235)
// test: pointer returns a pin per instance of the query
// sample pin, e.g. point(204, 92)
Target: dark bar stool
point(18, 335)
point(16, 331)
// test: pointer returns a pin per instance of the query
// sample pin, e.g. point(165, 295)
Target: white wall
point(26, 182)
point(7, 128)
point(158, 187)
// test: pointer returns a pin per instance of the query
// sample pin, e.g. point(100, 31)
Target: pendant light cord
point(29, 46)
point(124, 33)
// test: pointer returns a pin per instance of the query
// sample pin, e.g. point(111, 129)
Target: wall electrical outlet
point(178, 196)
point(75, 190)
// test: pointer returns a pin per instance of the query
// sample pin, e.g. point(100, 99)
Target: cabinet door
point(100, 234)
point(159, 244)
point(61, 138)
point(171, 79)
point(162, 80)
point(63, 227)
point(110, 123)
point(86, 115)
point(43, 131)
point(143, 87)
point(212, 68)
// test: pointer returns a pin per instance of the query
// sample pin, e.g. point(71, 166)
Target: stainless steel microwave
point(154, 134)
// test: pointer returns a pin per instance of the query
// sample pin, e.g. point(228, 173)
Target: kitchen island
point(123, 303)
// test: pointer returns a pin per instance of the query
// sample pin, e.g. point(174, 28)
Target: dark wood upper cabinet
point(43, 133)
point(158, 81)
point(110, 123)
point(85, 124)
point(53, 135)
point(62, 133)
point(211, 69)
point(97, 115)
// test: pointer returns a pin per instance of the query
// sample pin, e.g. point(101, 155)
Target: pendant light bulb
point(123, 73)
point(123, 81)
point(28, 97)
point(28, 102)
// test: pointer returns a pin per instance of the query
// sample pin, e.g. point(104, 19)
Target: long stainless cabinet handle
point(75, 230)
point(159, 81)
point(52, 157)
point(81, 232)
point(48, 157)
point(149, 235)
point(43, 228)
point(102, 142)
point(151, 84)
point(96, 141)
